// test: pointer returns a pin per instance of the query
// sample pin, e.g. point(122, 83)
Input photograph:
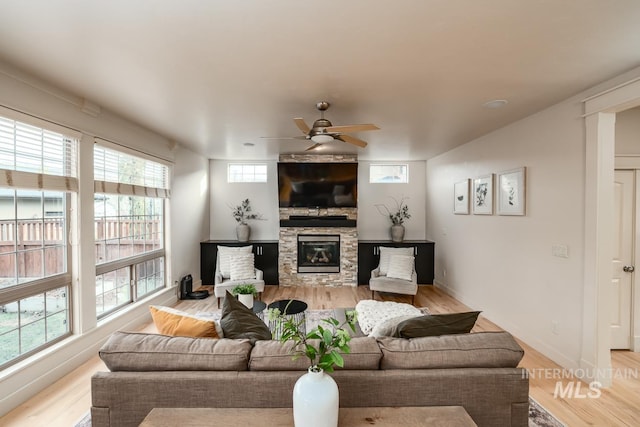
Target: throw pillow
point(387, 327)
point(176, 323)
point(385, 256)
point(241, 267)
point(436, 324)
point(400, 267)
point(240, 322)
point(225, 253)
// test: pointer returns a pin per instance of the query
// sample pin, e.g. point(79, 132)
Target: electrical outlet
point(560, 251)
point(444, 273)
point(554, 327)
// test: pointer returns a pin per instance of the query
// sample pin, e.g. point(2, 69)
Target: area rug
point(538, 416)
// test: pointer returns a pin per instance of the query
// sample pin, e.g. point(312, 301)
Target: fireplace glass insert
point(318, 253)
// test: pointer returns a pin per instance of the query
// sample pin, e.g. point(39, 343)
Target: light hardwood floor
point(66, 401)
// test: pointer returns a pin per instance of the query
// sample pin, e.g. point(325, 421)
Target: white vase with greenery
point(245, 294)
point(315, 395)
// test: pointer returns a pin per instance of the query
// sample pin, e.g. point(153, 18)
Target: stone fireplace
point(318, 247)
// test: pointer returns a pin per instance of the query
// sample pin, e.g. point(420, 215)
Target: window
point(38, 165)
point(238, 172)
point(389, 173)
point(129, 206)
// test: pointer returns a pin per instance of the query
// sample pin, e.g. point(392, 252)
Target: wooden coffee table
point(432, 416)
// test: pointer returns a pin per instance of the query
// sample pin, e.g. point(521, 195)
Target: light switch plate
point(560, 251)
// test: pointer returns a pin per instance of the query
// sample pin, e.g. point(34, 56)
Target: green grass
point(36, 331)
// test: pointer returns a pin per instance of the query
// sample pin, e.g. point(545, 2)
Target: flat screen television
point(318, 185)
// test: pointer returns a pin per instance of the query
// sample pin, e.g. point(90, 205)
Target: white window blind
point(121, 173)
point(36, 157)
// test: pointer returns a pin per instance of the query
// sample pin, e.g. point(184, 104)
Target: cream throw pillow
point(400, 267)
point(225, 253)
point(385, 256)
point(242, 267)
point(176, 323)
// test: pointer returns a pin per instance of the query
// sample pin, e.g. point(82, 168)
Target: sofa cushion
point(135, 351)
point(238, 321)
point(436, 324)
point(478, 350)
point(276, 356)
point(170, 321)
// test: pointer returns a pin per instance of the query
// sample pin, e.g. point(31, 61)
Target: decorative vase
point(246, 299)
point(315, 400)
point(397, 233)
point(243, 231)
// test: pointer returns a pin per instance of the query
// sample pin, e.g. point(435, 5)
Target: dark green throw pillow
point(436, 324)
point(238, 321)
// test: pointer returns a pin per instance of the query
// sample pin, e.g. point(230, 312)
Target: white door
point(622, 260)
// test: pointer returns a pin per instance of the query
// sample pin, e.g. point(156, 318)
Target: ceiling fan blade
point(284, 137)
point(352, 128)
point(302, 125)
point(313, 147)
point(352, 140)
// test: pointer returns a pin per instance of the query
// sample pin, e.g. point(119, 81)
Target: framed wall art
point(461, 197)
point(512, 192)
point(482, 195)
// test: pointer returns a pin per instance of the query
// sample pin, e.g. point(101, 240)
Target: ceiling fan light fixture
point(321, 138)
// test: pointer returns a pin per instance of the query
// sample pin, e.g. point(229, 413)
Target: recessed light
point(496, 103)
point(248, 144)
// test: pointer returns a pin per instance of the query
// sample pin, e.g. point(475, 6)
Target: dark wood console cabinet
point(266, 258)
point(369, 258)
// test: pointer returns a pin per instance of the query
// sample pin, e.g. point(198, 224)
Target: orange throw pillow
point(176, 323)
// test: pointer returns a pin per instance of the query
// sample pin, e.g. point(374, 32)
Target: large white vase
point(315, 400)
point(397, 233)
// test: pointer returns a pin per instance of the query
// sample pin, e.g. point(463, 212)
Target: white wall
point(189, 213)
point(225, 196)
point(374, 226)
point(628, 132)
point(264, 199)
point(503, 265)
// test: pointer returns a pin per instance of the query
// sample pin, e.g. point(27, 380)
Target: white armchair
point(226, 282)
point(397, 275)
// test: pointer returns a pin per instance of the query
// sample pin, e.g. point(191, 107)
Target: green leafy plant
point(245, 289)
point(242, 212)
point(323, 344)
point(397, 216)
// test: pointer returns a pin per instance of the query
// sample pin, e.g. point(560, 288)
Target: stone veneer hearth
point(288, 241)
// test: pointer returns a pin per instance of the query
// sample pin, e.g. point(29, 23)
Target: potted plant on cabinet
point(245, 293)
point(243, 213)
point(398, 216)
point(315, 394)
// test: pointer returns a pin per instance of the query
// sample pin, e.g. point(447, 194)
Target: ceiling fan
point(323, 131)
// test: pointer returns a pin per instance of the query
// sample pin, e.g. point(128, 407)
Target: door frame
point(632, 162)
point(600, 114)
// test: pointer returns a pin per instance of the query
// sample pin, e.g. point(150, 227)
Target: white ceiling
point(214, 75)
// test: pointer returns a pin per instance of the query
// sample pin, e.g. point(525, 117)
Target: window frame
point(247, 181)
point(388, 164)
